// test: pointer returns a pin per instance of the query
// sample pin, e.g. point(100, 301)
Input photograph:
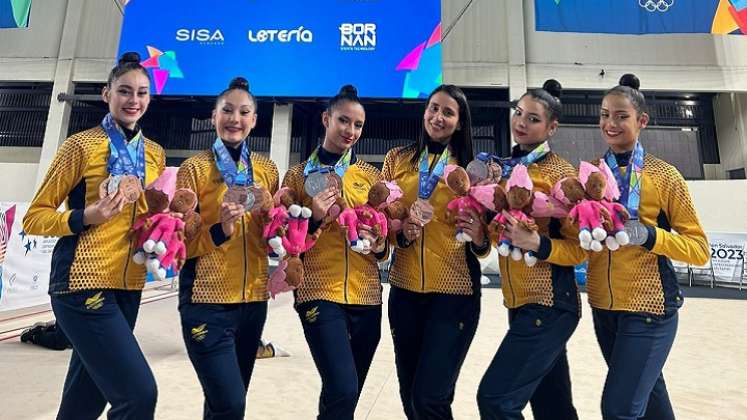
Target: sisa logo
point(281, 35)
point(204, 36)
point(358, 36)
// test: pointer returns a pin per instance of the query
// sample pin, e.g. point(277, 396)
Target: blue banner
point(386, 48)
point(642, 16)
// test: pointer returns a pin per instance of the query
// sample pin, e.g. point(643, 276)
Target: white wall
point(475, 51)
point(721, 205)
point(730, 117)
point(19, 181)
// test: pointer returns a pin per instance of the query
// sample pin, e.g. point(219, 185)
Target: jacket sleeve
point(274, 177)
point(65, 172)
point(564, 251)
point(689, 245)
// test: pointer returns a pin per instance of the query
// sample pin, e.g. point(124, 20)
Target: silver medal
point(113, 186)
point(637, 232)
point(251, 198)
point(477, 171)
point(315, 183)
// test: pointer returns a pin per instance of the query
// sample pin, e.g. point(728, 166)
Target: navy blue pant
point(221, 343)
point(432, 333)
point(531, 364)
point(107, 364)
point(342, 340)
point(635, 346)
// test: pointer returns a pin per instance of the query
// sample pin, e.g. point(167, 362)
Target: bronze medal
point(130, 187)
point(236, 194)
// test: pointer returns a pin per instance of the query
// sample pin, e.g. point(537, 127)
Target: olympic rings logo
point(656, 5)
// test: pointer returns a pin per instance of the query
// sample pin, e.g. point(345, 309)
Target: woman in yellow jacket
point(223, 285)
point(542, 300)
point(95, 287)
point(633, 291)
point(339, 301)
point(434, 302)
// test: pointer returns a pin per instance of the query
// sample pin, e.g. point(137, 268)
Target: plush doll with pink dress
point(468, 197)
point(160, 232)
point(618, 214)
point(519, 197)
point(373, 213)
point(590, 214)
point(348, 220)
point(289, 273)
point(274, 231)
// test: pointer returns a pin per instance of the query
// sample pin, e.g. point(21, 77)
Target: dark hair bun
point(552, 87)
point(631, 81)
point(239, 83)
point(130, 57)
point(348, 90)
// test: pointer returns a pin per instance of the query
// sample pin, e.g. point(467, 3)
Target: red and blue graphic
point(637, 17)
point(386, 48)
point(162, 66)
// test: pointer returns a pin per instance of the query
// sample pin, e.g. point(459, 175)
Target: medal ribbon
point(243, 174)
point(124, 158)
point(314, 164)
point(429, 179)
point(538, 153)
point(630, 184)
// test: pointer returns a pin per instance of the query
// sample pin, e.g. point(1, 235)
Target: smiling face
point(344, 126)
point(530, 123)
point(620, 123)
point(441, 118)
point(234, 116)
point(128, 97)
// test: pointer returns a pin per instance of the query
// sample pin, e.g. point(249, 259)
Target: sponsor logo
point(300, 35)
point(203, 36)
point(357, 36)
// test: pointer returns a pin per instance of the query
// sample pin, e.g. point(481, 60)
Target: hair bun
point(348, 90)
point(552, 87)
point(630, 80)
point(239, 83)
point(129, 57)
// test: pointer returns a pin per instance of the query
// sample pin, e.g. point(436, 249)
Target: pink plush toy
point(518, 197)
point(276, 229)
point(173, 258)
point(467, 197)
point(297, 241)
point(160, 234)
point(348, 220)
point(158, 196)
point(372, 214)
point(589, 212)
point(277, 283)
point(617, 236)
point(389, 195)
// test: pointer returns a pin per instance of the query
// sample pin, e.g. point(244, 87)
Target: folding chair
point(682, 270)
point(706, 269)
